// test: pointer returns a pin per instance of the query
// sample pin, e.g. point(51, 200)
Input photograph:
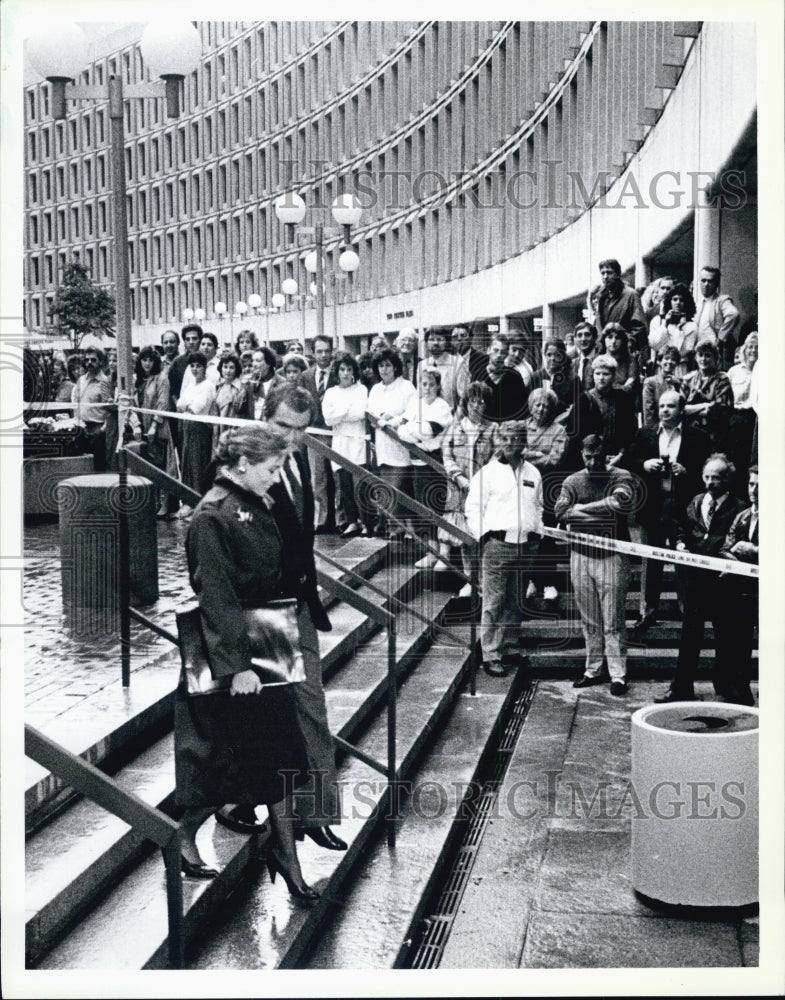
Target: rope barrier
point(692, 559)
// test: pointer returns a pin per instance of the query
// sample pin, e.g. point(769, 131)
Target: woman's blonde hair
point(255, 442)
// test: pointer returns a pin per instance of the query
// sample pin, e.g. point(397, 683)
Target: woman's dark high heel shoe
point(324, 837)
point(200, 870)
point(197, 869)
point(302, 892)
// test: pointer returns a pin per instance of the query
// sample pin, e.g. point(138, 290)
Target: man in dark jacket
point(472, 363)
point(741, 544)
point(618, 303)
point(508, 396)
point(704, 530)
point(317, 380)
point(317, 804)
point(669, 459)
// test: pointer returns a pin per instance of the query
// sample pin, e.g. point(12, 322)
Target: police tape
point(216, 420)
point(692, 559)
point(84, 404)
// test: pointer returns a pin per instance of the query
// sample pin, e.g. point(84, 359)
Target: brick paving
point(62, 668)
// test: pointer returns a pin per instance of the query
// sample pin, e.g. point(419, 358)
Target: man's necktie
point(322, 382)
point(711, 506)
point(295, 488)
point(753, 527)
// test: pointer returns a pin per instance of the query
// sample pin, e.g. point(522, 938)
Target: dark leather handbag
point(238, 748)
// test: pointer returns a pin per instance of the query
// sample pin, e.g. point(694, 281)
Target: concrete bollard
point(89, 509)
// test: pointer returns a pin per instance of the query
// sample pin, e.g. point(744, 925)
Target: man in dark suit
point(317, 380)
point(317, 804)
point(669, 459)
point(472, 363)
point(704, 530)
point(741, 543)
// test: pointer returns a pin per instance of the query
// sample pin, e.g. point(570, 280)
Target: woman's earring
point(242, 469)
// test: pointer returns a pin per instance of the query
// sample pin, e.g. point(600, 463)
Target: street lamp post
point(170, 49)
point(290, 210)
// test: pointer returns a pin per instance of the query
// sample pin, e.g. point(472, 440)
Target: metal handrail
point(387, 619)
point(339, 589)
point(150, 822)
point(391, 597)
point(360, 472)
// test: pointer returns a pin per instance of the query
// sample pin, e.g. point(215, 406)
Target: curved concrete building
point(497, 163)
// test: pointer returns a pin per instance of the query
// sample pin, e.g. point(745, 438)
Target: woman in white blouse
point(343, 409)
point(743, 418)
point(196, 398)
point(424, 423)
point(387, 401)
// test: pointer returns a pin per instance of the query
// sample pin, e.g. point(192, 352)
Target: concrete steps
point(98, 901)
point(382, 905)
point(113, 872)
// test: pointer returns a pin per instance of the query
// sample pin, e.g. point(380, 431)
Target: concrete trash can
point(695, 822)
point(89, 547)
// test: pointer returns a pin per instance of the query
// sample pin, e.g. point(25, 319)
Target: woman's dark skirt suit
point(234, 562)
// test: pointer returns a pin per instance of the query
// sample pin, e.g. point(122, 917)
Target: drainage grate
point(431, 936)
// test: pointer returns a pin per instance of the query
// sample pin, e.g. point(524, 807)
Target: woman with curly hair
point(468, 446)
point(246, 341)
point(674, 326)
point(387, 400)
point(197, 399)
point(233, 396)
point(151, 431)
point(343, 409)
point(293, 367)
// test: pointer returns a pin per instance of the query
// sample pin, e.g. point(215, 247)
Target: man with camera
point(669, 459)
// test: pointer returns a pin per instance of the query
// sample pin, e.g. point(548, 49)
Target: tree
point(81, 306)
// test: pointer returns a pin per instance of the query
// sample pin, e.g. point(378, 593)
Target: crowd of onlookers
point(658, 381)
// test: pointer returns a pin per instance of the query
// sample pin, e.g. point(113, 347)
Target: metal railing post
point(475, 585)
point(392, 749)
point(124, 558)
point(174, 905)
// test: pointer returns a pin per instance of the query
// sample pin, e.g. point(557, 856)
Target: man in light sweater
point(504, 513)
